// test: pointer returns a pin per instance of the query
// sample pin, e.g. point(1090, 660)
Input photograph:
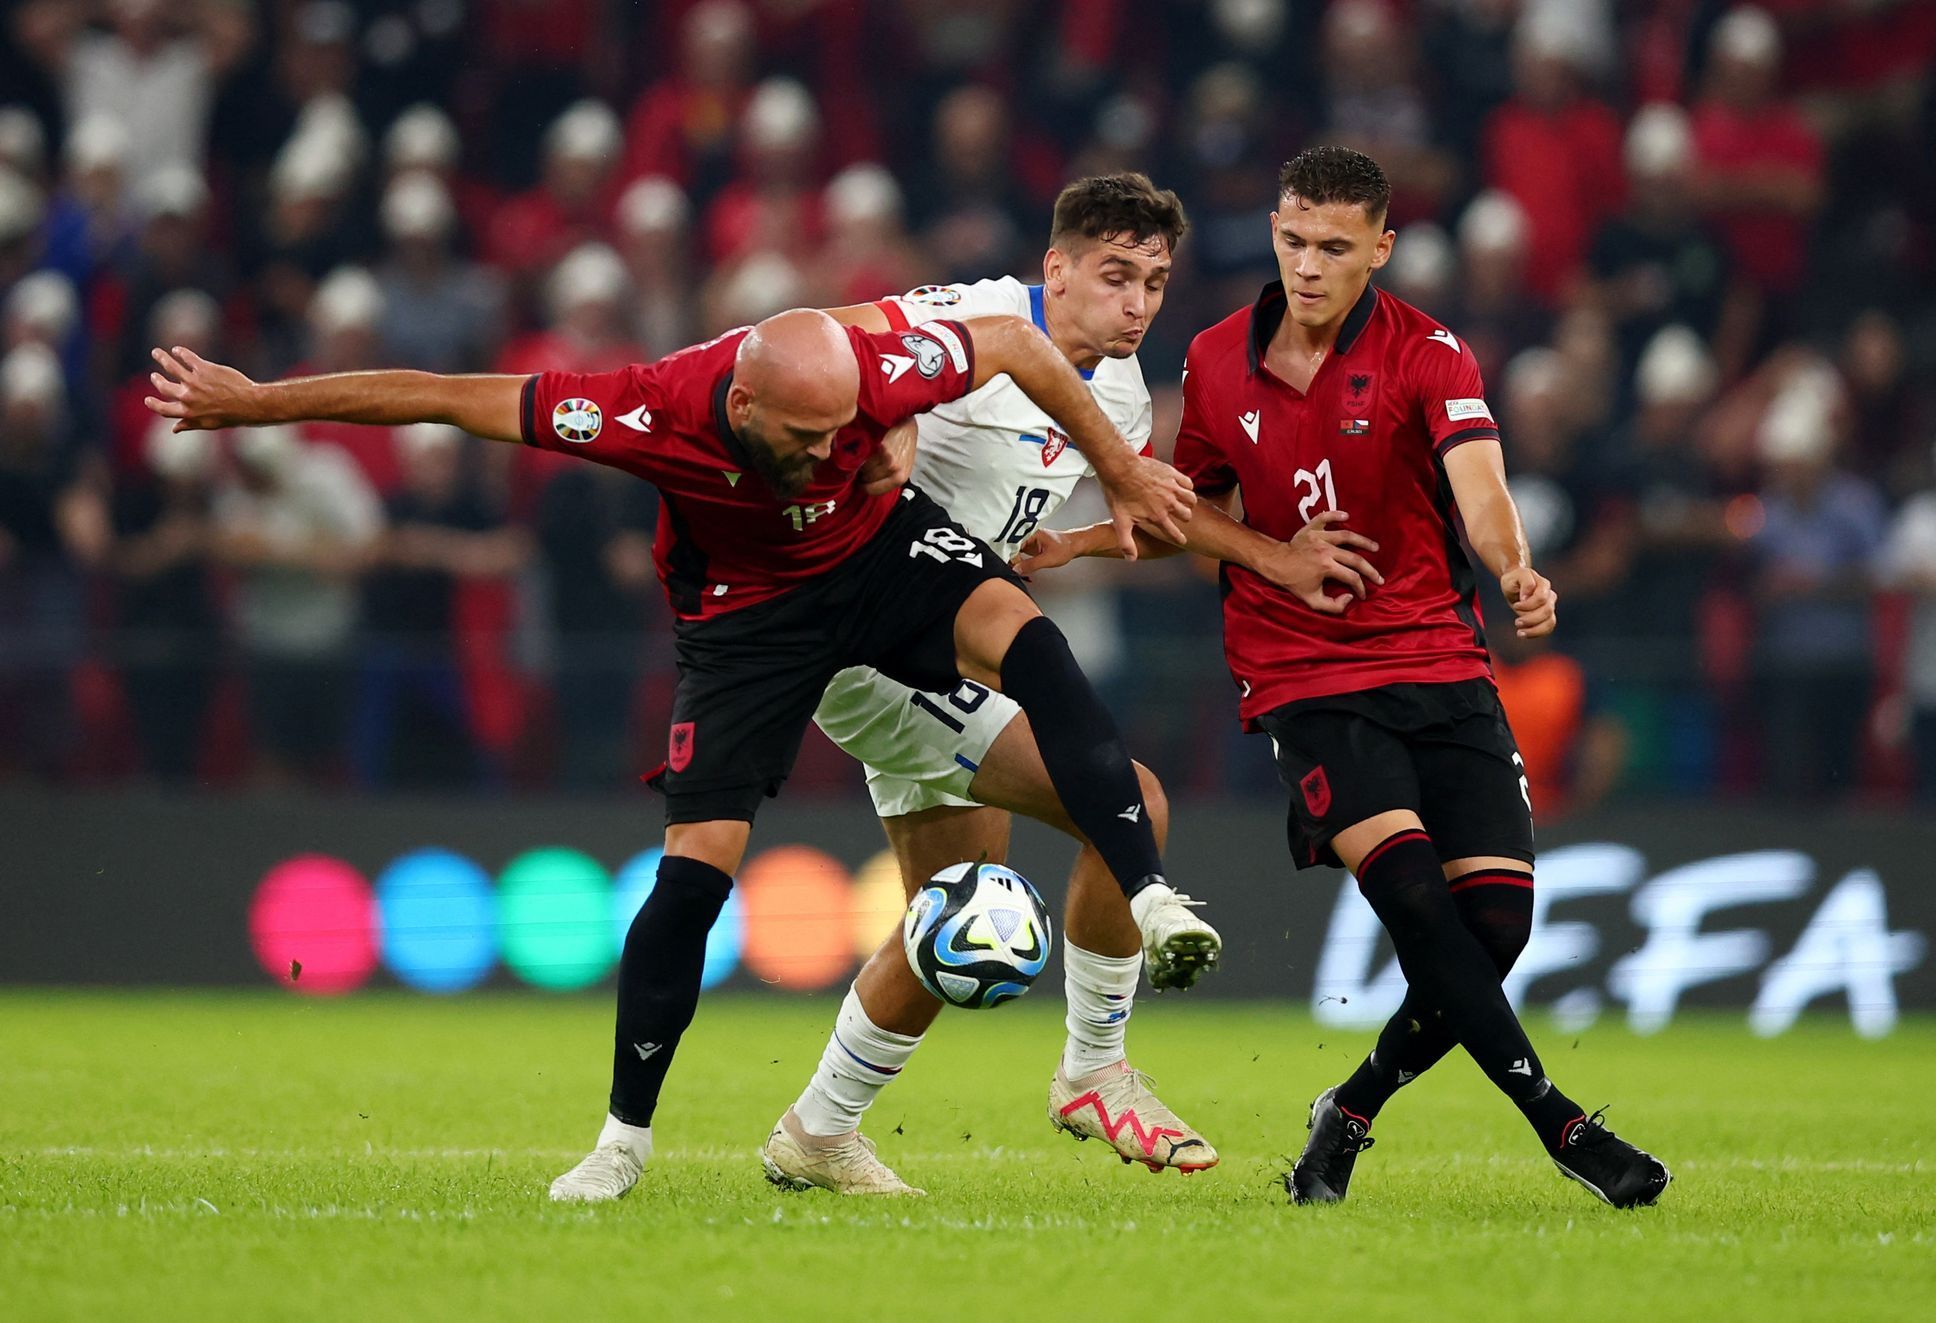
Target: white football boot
point(605, 1174)
point(845, 1164)
point(1118, 1106)
point(1177, 945)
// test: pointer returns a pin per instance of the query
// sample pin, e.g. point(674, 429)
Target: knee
point(1501, 917)
point(1157, 802)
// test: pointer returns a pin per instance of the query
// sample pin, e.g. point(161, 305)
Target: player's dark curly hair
point(1127, 203)
point(1336, 174)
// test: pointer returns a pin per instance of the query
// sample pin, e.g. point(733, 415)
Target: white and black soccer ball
point(977, 935)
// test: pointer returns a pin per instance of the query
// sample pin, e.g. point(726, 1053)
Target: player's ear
point(1055, 265)
point(1381, 252)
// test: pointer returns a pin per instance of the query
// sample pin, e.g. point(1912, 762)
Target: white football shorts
point(921, 750)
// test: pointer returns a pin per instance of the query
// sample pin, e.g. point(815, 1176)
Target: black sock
point(1496, 906)
point(658, 980)
point(1083, 752)
point(1449, 968)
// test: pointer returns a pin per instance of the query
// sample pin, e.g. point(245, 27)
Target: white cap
point(349, 300)
point(1675, 368)
point(99, 141)
point(1360, 20)
point(421, 439)
point(780, 116)
point(421, 136)
point(1747, 34)
point(200, 312)
point(1535, 371)
point(1659, 141)
point(1799, 427)
point(179, 455)
point(331, 119)
point(309, 169)
point(23, 141)
point(760, 286)
point(587, 131)
point(589, 273)
point(274, 451)
point(45, 303)
point(862, 193)
point(1493, 222)
point(175, 189)
point(20, 206)
point(32, 374)
point(1249, 25)
point(653, 205)
point(1422, 256)
point(416, 205)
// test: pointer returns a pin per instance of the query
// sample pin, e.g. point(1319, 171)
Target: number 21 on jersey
point(1316, 486)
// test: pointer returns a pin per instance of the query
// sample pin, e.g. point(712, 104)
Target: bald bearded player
point(789, 552)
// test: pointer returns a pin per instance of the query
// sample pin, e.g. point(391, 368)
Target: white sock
point(859, 1061)
point(1101, 991)
point(638, 1138)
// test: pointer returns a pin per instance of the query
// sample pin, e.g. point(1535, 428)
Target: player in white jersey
point(946, 771)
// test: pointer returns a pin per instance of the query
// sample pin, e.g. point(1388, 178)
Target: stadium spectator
point(683, 127)
point(1554, 149)
point(21, 209)
point(90, 222)
point(569, 206)
point(1815, 565)
point(412, 724)
point(1761, 176)
point(774, 204)
point(172, 252)
point(868, 252)
point(1373, 103)
point(167, 621)
point(442, 314)
point(1909, 566)
point(1891, 410)
point(52, 527)
point(153, 70)
point(970, 207)
point(654, 230)
point(1493, 312)
point(294, 524)
point(345, 327)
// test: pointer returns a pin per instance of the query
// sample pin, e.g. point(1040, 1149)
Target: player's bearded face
point(784, 459)
point(1325, 255)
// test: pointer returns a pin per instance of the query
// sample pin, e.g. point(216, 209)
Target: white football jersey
point(993, 459)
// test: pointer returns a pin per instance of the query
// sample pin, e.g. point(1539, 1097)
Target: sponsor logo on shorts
point(679, 748)
point(577, 420)
point(1316, 788)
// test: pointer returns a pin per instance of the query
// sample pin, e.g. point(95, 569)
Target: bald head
point(796, 383)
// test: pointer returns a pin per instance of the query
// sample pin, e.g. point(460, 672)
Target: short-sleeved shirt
point(1369, 437)
point(725, 541)
point(993, 459)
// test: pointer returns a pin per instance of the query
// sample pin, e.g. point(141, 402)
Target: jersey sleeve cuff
point(527, 406)
point(1456, 439)
point(896, 319)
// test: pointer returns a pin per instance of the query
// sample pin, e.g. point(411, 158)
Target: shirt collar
point(1268, 314)
point(722, 424)
point(1042, 324)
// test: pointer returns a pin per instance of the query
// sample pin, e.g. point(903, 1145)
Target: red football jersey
point(1396, 393)
point(725, 541)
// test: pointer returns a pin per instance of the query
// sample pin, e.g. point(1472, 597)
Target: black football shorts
point(749, 680)
point(1444, 751)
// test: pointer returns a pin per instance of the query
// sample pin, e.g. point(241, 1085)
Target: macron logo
point(895, 366)
point(645, 1050)
point(1446, 338)
point(639, 420)
point(1249, 422)
point(1134, 813)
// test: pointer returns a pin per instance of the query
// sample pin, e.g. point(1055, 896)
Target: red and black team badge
point(1316, 787)
point(679, 749)
point(1358, 392)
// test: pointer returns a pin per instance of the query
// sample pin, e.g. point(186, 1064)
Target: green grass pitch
point(261, 1156)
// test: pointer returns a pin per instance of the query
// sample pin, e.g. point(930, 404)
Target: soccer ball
point(976, 935)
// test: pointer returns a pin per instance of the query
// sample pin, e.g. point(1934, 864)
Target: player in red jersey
point(788, 557)
point(1327, 397)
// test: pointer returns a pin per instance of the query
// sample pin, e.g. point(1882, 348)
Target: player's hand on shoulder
point(1044, 549)
point(1321, 554)
point(1534, 602)
point(893, 464)
point(1148, 494)
point(197, 394)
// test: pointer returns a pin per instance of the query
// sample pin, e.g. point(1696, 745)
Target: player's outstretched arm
point(1319, 556)
point(1143, 493)
point(1477, 471)
point(201, 395)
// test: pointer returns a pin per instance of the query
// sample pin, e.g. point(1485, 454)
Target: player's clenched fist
point(1046, 549)
point(200, 395)
point(1147, 494)
point(1533, 599)
point(1321, 554)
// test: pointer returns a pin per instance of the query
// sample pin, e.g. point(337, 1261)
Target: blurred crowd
point(1692, 244)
